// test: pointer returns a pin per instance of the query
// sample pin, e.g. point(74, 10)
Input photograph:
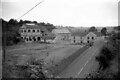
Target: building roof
point(78, 33)
point(98, 33)
point(82, 34)
point(30, 26)
point(34, 26)
point(60, 30)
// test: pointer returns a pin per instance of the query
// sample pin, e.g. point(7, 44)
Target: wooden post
point(3, 45)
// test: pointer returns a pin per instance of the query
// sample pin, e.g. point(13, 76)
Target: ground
point(51, 53)
point(54, 53)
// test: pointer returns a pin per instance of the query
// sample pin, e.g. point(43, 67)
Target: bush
point(15, 70)
point(107, 53)
point(104, 58)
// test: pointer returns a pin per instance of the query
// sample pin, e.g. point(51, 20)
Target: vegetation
point(92, 29)
point(104, 31)
point(11, 30)
point(108, 59)
point(32, 69)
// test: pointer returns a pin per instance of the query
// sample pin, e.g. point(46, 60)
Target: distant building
point(84, 37)
point(61, 35)
point(32, 32)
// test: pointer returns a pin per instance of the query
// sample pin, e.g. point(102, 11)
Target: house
point(90, 37)
point(32, 32)
point(84, 37)
point(49, 37)
point(61, 34)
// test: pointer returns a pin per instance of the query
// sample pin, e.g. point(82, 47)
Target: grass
point(14, 70)
point(63, 64)
point(23, 56)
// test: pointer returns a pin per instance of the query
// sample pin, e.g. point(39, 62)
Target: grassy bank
point(58, 68)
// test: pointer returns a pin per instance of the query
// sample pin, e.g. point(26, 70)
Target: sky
point(63, 12)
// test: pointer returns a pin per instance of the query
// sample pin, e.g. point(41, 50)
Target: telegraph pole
point(3, 44)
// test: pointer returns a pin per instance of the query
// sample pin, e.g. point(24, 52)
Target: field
point(50, 53)
point(41, 51)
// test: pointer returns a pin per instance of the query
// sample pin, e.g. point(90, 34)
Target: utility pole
point(3, 44)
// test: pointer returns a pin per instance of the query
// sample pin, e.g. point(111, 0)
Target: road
point(84, 63)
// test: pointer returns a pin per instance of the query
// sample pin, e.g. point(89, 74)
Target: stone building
point(84, 37)
point(30, 32)
point(61, 35)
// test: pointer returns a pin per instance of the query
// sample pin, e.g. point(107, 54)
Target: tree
point(13, 21)
point(27, 21)
point(21, 22)
point(48, 26)
point(104, 31)
point(118, 27)
point(92, 29)
point(35, 22)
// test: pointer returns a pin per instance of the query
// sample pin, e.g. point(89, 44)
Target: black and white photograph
point(60, 39)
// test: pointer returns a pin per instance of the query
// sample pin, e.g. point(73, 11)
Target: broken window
point(74, 37)
point(88, 37)
point(81, 42)
point(42, 31)
point(21, 37)
point(27, 39)
point(33, 30)
point(87, 41)
point(37, 30)
point(21, 30)
point(24, 30)
point(30, 38)
point(38, 38)
point(34, 39)
point(74, 41)
point(28, 30)
point(92, 37)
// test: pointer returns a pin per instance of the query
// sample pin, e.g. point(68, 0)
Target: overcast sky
point(64, 12)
